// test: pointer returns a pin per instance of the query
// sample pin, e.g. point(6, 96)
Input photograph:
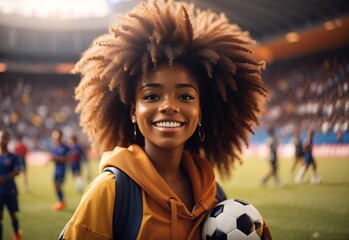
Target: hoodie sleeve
point(92, 219)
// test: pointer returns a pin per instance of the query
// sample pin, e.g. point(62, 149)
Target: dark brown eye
point(185, 97)
point(151, 97)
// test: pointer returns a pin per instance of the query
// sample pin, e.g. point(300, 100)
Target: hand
point(2, 181)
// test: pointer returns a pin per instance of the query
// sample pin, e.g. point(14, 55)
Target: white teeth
point(168, 124)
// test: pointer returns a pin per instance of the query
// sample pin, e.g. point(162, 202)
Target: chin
point(169, 144)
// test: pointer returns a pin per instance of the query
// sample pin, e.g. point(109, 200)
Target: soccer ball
point(233, 220)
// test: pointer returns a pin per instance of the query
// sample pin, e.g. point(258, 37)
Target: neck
point(3, 150)
point(166, 161)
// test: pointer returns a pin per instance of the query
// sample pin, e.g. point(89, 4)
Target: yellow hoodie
point(164, 214)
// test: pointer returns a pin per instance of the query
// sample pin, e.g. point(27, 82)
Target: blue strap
point(220, 195)
point(128, 206)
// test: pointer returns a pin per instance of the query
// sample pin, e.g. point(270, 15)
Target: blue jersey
point(77, 154)
point(8, 163)
point(60, 151)
point(309, 152)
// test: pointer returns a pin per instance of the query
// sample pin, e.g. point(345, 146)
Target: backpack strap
point(128, 206)
point(220, 195)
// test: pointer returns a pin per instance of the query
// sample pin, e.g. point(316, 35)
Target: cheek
point(197, 116)
point(194, 113)
point(141, 110)
point(197, 109)
point(143, 114)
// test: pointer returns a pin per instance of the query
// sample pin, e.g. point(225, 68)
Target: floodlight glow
point(60, 9)
point(118, 1)
point(292, 37)
point(338, 22)
point(3, 67)
point(329, 25)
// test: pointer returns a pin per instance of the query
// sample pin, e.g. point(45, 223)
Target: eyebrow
point(156, 85)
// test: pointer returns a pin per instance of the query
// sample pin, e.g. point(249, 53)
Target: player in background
point(299, 153)
point(59, 154)
point(309, 160)
point(9, 169)
point(21, 150)
point(272, 143)
point(77, 155)
point(339, 137)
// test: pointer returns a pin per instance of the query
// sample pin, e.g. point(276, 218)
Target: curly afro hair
point(168, 32)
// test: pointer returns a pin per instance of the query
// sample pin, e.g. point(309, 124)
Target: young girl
point(170, 93)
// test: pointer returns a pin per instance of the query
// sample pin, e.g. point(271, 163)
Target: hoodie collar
point(135, 163)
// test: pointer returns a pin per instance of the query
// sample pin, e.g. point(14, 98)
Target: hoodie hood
point(135, 163)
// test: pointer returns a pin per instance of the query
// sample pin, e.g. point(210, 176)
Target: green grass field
point(294, 212)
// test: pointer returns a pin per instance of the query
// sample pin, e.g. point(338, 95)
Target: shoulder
point(100, 192)
point(65, 147)
point(102, 183)
point(12, 156)
point(97, 200)
point(80, 147)
point(9, 159)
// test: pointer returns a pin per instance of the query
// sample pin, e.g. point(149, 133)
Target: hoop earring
point(201, 133)
point(134, 129)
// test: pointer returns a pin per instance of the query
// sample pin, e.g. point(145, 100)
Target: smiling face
point(167, 107)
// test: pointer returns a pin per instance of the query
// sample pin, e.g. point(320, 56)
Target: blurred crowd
point(34, 105)
point(309, 93)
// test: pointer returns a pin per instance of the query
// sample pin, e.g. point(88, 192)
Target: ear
point(133, 113)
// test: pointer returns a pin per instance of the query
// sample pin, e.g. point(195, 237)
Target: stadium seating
point(312, 92)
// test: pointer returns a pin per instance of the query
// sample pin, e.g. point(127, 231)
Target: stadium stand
point(311, 92)
point(35, 104)
point(308, 92)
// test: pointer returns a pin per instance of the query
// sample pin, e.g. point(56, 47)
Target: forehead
point(170, 76)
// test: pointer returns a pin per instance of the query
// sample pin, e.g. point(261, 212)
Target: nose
point(169, 107)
